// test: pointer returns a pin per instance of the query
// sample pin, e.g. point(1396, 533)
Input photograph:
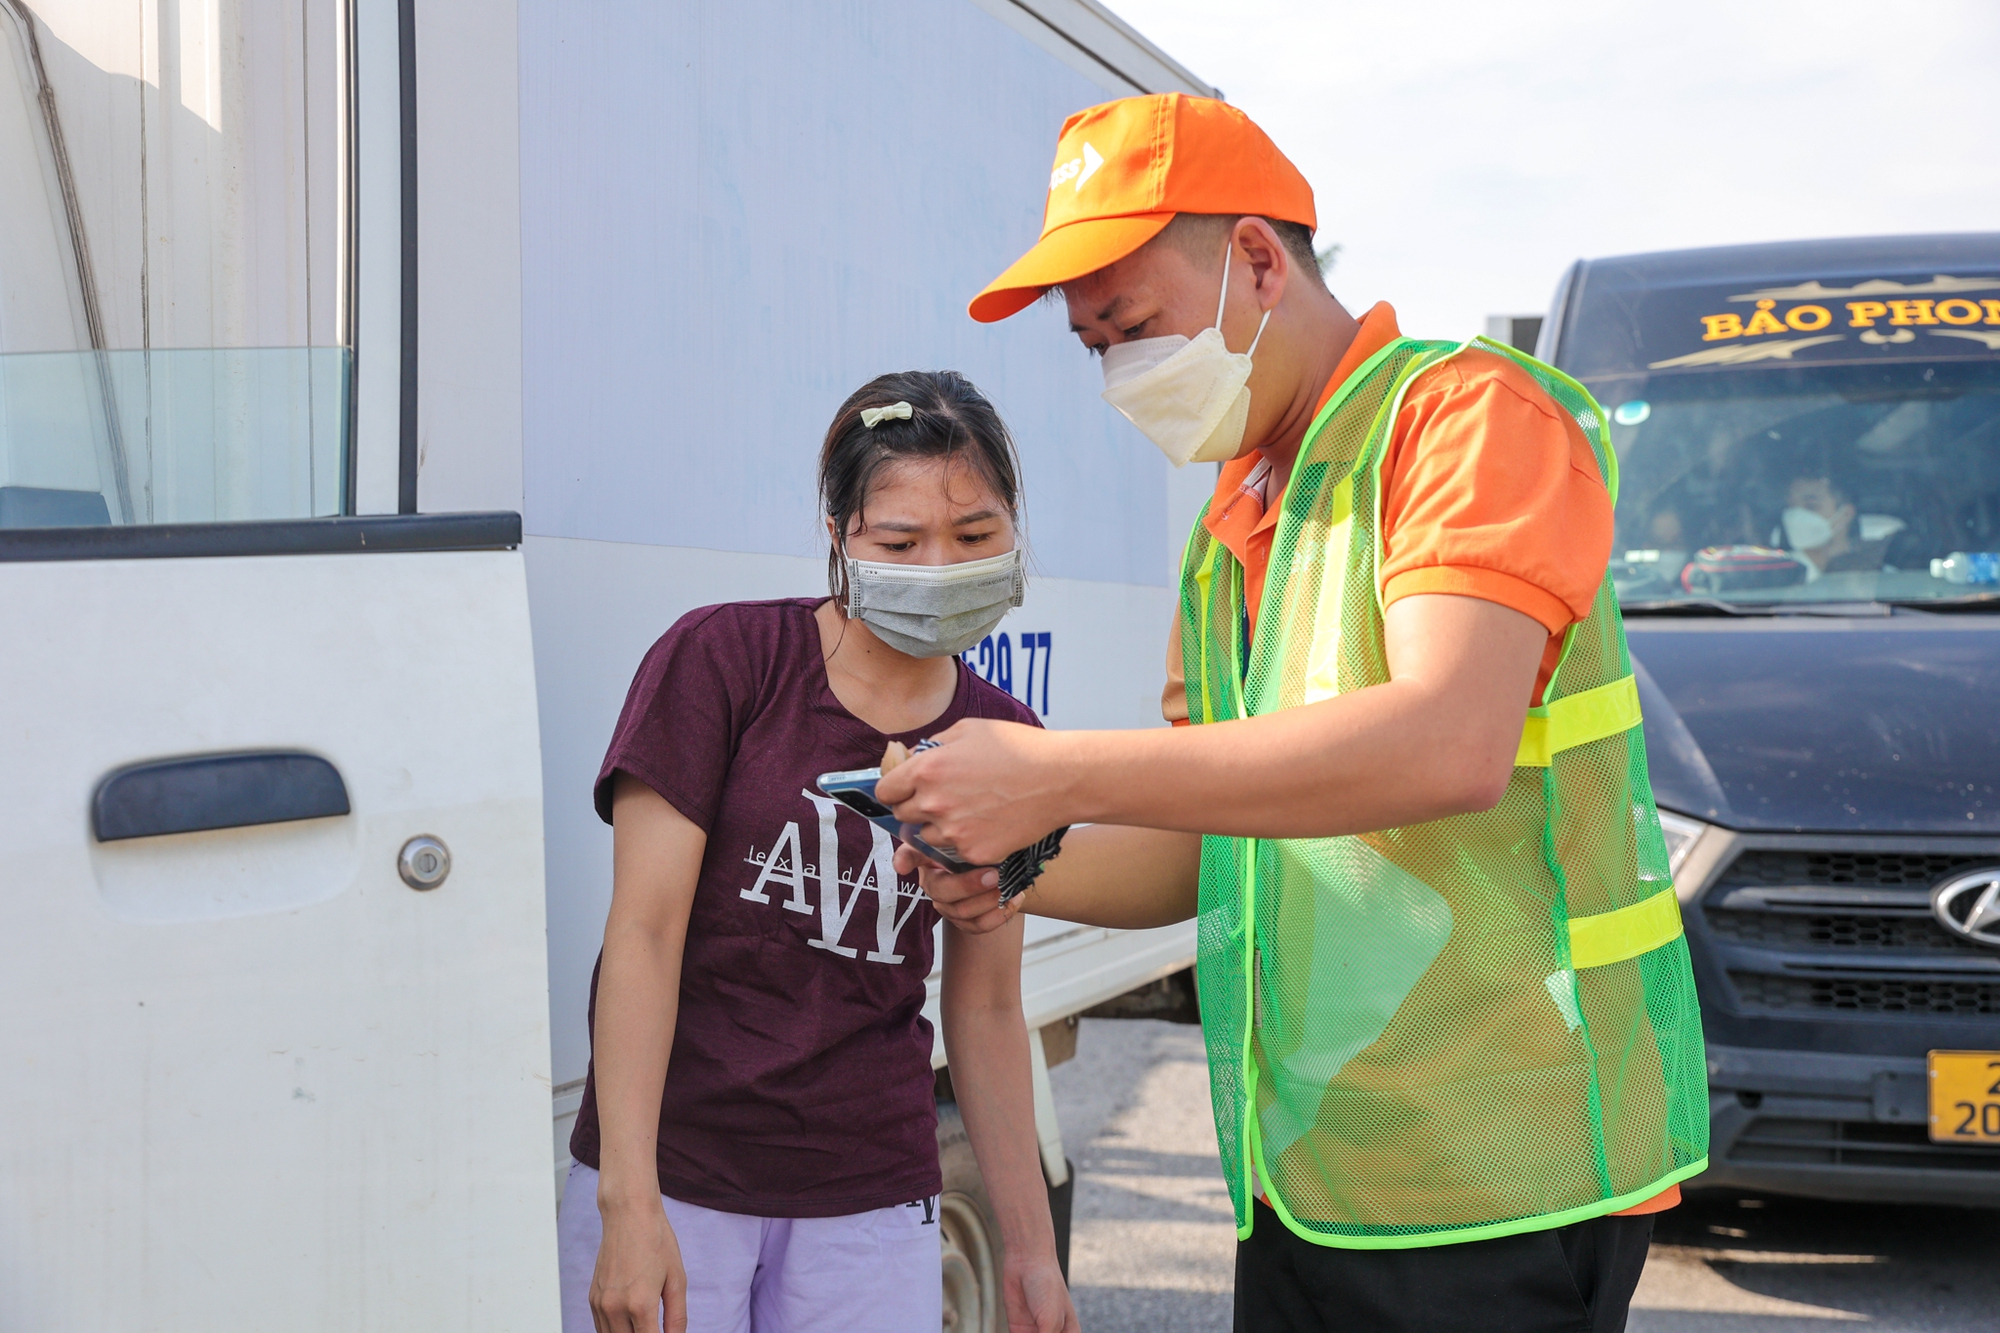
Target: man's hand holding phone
point(987, 788)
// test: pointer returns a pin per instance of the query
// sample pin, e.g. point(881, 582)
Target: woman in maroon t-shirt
point(757, 1141)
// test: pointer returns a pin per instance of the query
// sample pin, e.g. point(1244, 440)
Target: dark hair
point(949, 419)
point(1199, 236)
point(1820, 466)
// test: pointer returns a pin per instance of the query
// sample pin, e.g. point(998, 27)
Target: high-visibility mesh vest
point(1465, 1028)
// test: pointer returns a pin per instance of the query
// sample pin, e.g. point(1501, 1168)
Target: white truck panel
point(1067, 968)
point(734, 214)
point(1099, 45)
point(253, 1079)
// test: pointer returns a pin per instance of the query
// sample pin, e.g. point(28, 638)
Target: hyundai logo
point(1968, 905)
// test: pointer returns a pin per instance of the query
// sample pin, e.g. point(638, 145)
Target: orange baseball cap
point(1123, 169)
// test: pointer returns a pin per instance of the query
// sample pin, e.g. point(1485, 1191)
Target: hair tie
point(872, 417)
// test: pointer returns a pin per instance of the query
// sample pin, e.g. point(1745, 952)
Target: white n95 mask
point(1806, 529)
point(934, 610)
point(1189, 396)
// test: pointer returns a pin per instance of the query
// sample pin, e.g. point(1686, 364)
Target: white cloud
point(1464, 153)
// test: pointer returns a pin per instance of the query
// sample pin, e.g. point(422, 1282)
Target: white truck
point(377, 379)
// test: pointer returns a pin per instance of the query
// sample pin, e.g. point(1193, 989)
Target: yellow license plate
point(1965, 1096)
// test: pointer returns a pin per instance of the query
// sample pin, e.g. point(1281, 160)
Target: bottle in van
point(1968, 567)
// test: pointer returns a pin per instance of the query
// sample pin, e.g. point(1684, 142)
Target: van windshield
point(1828, 484)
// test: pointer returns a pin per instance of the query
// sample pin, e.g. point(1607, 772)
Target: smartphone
point(855, 789)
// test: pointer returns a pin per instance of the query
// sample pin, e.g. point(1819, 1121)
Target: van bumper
point(1853, 1127)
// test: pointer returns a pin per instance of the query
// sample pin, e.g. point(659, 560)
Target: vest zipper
point(1256, 989)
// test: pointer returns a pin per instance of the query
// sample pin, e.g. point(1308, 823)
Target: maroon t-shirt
point(800, 1080)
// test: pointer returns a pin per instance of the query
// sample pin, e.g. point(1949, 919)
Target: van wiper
point(1715, 606)
point(1684, 606)
point(1971, 601)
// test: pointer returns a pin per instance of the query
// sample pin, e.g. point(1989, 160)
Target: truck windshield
point(1773, 471)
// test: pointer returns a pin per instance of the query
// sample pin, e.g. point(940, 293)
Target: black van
point(1808, 557)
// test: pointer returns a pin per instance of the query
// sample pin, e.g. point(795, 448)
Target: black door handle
point(210, 791)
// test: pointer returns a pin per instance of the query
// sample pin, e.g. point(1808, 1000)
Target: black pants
point(1575, 1279)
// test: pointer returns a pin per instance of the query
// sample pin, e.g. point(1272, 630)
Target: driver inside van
point(1825, 531)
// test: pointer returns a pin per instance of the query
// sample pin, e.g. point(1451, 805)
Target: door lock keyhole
point(424, 862)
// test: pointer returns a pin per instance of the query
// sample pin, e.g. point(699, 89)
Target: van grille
point(1861, 870)
point(1886, 996)
point(1853, 1143)
point(1831, 934)
point(1891, 930)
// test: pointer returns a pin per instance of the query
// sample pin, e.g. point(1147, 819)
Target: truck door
point(271, 924)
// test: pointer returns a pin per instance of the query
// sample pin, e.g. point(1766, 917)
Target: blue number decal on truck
point(992, 659)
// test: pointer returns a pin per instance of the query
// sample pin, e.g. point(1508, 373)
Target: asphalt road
point(1153, 1245)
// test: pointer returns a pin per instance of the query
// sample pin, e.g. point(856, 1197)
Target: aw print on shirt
point(835, 893)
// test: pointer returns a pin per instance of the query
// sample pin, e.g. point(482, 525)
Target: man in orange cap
point(1454, 1047)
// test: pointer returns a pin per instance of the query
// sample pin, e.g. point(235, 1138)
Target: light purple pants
point(876, 1271)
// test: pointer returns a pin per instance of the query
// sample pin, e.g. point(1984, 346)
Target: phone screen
point(861, 802)
point(848, 788)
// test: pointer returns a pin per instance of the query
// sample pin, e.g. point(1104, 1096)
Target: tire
point(1060, 1198)
point(974, 1256)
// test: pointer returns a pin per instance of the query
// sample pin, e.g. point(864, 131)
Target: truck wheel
point(970, 1235)
point(1060, 1198)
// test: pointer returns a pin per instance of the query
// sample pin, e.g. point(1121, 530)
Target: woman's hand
point(983, 1028)
point(1038, 1298)
point(970, 901)
point(655, 863)
point(1105, 875)
point(639, 1272)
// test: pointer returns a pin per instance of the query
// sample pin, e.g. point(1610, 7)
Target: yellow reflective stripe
point(1323, 656)
point(1612, 937)
point(1577, 720)
point(1205, 582)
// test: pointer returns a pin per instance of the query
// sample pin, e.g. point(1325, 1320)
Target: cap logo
point(1082, 168)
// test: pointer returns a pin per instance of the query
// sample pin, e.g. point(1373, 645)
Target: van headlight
point(1682, 835)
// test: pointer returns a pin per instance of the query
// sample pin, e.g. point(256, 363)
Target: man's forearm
point(1121, 877)
point(1380, 758)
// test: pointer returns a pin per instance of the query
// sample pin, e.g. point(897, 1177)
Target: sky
point(1463, 154)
